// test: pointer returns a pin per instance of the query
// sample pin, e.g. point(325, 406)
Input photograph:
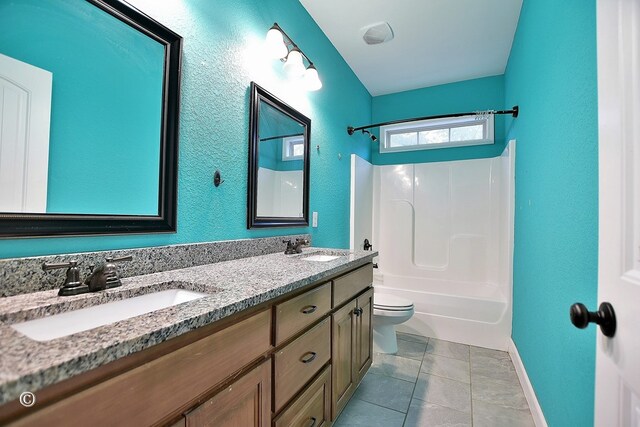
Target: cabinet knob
point(357, 311)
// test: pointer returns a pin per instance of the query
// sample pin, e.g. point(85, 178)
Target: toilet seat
point(387, 302)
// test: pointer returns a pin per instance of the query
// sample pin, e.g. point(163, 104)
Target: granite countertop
point(28, 365)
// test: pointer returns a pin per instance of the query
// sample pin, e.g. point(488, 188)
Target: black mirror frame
point(43, 225)
point(258, 94)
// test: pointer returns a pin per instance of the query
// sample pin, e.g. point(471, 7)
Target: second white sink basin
point(321, 258)
point(72, 322)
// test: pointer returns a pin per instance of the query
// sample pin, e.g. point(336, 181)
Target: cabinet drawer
point(347, 286)
point(142, 395)
point(299, 361)
point(299, 312)
point(312, 407)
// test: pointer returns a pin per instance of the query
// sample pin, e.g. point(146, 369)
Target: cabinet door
point(246, 402)
point(364, 334)
point(343, 356)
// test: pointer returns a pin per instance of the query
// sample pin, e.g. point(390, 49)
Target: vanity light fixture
point(280, 46)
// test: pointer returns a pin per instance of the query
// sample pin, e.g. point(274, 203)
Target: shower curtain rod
point(513, 112)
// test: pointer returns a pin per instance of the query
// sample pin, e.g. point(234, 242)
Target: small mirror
point(278, 163)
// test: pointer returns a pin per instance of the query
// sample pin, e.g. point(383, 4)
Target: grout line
point(415, 384)
point(374, 404)
point(470, 386)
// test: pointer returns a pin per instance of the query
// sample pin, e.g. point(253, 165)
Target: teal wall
point(551, 74)
point(106, 93)
point(222, 55)
point(471, 95)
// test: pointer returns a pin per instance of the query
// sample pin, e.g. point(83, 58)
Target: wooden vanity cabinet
point(294, 361)
point(246, 402)
point(364, 334)
point(342, 360)
point(352, 352)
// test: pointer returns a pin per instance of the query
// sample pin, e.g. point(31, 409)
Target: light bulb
point(311, 80)
point(294, 67)
point(275, 44)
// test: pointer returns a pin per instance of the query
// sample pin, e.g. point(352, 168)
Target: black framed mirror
point(279, 140)
point(111, 146)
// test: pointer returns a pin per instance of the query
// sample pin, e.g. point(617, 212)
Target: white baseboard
point(529, 393)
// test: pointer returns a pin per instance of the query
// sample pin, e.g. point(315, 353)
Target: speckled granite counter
point(27, 365)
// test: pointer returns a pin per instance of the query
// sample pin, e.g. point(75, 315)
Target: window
point(293, 148)
point(437, 133)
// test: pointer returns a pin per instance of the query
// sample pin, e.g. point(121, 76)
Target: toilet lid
point(391, 302)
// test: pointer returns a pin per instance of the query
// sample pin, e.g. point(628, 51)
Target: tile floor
point(431, 382)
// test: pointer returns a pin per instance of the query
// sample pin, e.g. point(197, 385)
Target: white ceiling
point(436, 41)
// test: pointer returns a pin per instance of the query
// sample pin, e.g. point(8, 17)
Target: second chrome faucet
point(295, 248)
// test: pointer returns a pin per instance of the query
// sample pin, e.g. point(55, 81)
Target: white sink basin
point(72, 322)
point(321, 258)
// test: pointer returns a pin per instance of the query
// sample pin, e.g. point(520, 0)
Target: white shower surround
point(280, 193)
point(444, 232)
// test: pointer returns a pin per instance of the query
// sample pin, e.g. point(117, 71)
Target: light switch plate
point(314, 220)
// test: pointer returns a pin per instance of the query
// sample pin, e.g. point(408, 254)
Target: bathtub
point(466, 312)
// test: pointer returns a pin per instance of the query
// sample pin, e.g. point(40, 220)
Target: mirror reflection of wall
point(102, 154)
point(280, 164)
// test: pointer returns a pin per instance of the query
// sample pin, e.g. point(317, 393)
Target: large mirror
point(89, 91)
point(278, 163)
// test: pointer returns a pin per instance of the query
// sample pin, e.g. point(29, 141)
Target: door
point(246, 402)
point(618, 358)
point(25, 113)
point(364, 334)
point(343, 356)
point(361, 203)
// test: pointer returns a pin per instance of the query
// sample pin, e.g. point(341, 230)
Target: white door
point(618, 357)
point(361, 203)
point(25, 114)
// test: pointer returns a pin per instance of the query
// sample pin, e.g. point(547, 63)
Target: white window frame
point(288, 142)
point(436, 124)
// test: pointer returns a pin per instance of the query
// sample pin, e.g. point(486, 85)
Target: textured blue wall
point(95, 110)
point(469, 95)
point(551, 74)
point(222, 55)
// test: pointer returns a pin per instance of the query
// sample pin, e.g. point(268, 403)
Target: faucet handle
point(72, 283)
point(121, 259)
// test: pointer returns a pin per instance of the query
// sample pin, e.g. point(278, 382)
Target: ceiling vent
point(378, 33)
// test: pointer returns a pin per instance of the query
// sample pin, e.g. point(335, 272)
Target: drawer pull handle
point(309, 309)
point(313, 421)
point(311, 358)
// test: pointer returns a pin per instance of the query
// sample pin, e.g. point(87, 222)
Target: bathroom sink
point(321, 258)
point(71, 322)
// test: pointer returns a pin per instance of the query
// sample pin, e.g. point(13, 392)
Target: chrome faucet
point(295, 248)
point(103, 276)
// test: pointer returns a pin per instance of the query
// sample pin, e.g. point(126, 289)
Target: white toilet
point(388, 311)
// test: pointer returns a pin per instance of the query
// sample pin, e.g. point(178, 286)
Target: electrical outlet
point(314, 221)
